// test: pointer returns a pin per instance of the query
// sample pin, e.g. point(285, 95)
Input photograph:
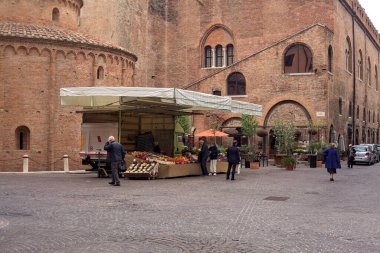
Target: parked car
point(374, 150)
point(364, 154)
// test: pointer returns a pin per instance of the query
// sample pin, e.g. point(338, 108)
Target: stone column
point(213, 58)
point(224, 57)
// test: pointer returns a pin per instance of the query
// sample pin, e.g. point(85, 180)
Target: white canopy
point(140, 98)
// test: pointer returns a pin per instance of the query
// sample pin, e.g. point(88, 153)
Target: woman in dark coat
point(332, 160)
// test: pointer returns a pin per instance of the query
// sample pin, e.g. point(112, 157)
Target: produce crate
point(152, 174)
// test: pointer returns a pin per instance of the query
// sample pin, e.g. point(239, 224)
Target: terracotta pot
point(255, 165)
point(290, 167)
point(278, 159)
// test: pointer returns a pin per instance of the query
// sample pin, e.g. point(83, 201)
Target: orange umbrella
point(211, 133)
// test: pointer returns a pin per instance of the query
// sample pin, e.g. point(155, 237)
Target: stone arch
point(81, 56)
point(71, 55)
point(34, 51)
point(212, 29)
point(102, 59)
point(117, 60)
point(217, 35)
point(293, 45)
point(22, 50)
point(296, 105)
point(46, 52)
point(91, 56)
point(22, 134)
point(288, 110)
point(9, 49)
point(110, 59)
point(61, 53)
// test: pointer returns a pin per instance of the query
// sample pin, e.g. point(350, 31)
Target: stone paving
point(81, 213)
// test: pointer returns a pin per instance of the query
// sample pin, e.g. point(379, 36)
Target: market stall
point(148, 115)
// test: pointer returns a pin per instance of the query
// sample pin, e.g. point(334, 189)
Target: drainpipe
point(354, 78)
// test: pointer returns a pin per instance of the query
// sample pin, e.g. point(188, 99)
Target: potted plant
point(285, 134)
point(316, 153)
point(289, 162)
point(249, 125)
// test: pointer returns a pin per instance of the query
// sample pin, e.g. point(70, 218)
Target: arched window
point(219, 56)
point(340, 106)
point(330, 55)
point(364, 115)
point(348, 54)
point(298, 59)
point(100, 73)
point(22, 138)
point(369, 71)
point(376, 78)
point(236, 84)
point(363, 136)
point(360, 65)
point(216, 92)
point(208, 57)
point(55, 15)
point(230, 54)
point(357, 112)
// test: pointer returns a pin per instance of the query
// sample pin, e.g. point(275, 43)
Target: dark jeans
point(115, 172)
point(233, 165)
point(204, 167)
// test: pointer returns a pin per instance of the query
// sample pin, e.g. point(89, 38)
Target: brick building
point(41, 50)
point(310, 62)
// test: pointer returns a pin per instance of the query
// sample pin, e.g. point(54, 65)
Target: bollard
point(66, 163)
point(25, 164)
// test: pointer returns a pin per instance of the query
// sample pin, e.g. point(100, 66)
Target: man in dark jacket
point(116, 154)
point(233, 157)
point(202, 157)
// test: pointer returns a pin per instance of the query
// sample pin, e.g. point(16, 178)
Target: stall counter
point(183, 170)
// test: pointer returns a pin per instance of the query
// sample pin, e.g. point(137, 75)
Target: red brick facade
point(169, 39)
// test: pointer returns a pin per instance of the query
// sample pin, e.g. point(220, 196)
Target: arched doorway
point(288, 111)
point(232, 126)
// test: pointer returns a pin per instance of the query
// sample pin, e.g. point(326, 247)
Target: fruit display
point(163, 159)
point(144, 167)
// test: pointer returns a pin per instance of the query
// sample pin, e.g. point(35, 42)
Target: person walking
point(116, 154)
point(213, 159)
point(233, 157)
point(351, 153)
point(202, 157)
point(332, 160)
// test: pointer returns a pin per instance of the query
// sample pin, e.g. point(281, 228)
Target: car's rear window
point(360, 149)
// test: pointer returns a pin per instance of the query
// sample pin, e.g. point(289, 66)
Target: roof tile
point(53, 33)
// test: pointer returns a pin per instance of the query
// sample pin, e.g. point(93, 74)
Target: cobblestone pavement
point(81, 213)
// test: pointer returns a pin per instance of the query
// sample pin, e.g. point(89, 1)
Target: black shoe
point(232, 179)
point(331, 179)
point(116, 184)
point(111, 182)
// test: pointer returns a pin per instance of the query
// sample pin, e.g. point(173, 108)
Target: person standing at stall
point(202, 157)
point(213, 159)
point(115, 154)
point(332, 160)
point(233, 157)
point(351, 153)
